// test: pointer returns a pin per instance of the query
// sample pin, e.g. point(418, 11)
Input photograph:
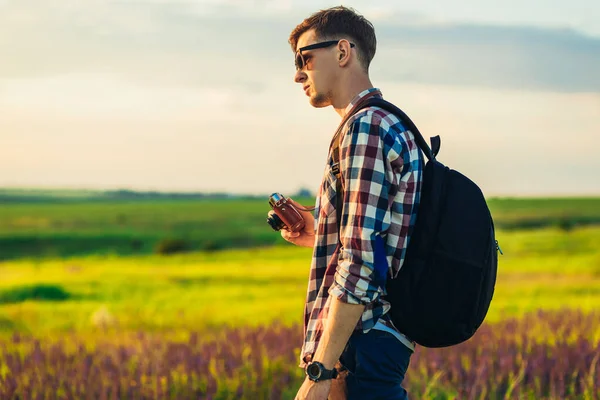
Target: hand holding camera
point(295, 222)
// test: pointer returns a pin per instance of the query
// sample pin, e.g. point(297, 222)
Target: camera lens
point(274, 220)
point(274, 198)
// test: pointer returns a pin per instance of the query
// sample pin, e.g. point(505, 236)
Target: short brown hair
point(340, 23)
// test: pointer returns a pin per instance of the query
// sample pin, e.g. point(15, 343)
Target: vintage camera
point(284, 214)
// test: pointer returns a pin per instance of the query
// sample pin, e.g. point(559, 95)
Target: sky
point(198, 95)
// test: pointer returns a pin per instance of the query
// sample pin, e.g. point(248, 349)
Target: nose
point(299, 77)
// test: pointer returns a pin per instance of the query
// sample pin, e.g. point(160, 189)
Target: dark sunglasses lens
point(299, 62)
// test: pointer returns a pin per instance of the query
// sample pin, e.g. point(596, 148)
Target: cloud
point(158, 43)
point(491, 56)
point(155, 44)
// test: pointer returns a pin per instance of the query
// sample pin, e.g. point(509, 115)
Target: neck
point(349, 88)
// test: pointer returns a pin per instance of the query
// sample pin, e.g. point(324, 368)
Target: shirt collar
point(359, 96)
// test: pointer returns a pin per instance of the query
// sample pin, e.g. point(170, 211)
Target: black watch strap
point(317, 372)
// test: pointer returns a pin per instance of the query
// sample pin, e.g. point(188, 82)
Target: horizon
point(45, 190)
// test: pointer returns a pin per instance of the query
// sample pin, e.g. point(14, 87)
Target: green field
point(130, 227)
point(85, 267)
point(91, 261)
point(50, 226)
point(541, 269)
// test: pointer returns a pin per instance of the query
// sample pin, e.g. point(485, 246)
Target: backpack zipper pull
point(498, 248)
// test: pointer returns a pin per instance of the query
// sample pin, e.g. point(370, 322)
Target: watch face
point(313, 370)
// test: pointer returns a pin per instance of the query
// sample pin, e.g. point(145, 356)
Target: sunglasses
point(300, 58)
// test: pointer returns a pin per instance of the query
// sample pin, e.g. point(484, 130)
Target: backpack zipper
point(498, 248)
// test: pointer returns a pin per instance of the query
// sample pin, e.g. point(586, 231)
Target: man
point(347, 328)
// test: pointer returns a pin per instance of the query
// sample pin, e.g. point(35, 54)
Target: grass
point(106, 225)
point(541, 269)
point(124, 228)
point(119, 300)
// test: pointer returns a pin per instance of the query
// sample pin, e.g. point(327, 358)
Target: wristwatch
point(316, 372)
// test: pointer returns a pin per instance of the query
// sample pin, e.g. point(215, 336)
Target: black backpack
point(444, 289)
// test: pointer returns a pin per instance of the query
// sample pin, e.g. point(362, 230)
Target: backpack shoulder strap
point(430, 152)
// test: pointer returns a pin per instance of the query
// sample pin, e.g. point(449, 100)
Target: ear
point(343, 53)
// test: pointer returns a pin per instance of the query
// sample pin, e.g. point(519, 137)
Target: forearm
point(340, 324)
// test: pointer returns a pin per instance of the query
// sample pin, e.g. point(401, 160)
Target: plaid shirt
point(381, 168)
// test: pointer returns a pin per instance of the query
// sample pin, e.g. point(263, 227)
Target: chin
point(319, 101)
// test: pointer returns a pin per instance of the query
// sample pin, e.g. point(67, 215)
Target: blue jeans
point(376, 364)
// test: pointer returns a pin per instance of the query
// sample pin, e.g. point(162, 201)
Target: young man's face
point(317, 75)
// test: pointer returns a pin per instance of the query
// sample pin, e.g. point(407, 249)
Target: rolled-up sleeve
point(362, 265)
